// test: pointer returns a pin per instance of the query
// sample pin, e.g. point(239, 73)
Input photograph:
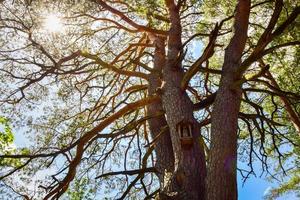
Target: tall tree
point(113, 91)
point(223, 151)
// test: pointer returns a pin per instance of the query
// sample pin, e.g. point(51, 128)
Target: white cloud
point(267, 191)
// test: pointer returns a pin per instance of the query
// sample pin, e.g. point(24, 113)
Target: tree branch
point(114, 68)
point(208, 52)
point(129, 172)
point(129, 21)
point(64, 184)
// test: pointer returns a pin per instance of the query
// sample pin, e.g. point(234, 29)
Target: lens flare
point(53, 23)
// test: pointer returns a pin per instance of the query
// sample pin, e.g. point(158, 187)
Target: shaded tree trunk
point(223, 153)
point(221, 181)
point(188, 179)
point(163, 145)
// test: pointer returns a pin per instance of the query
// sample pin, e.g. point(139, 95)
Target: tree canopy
point(100, 90)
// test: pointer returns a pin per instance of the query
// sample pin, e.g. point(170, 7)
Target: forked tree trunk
point(189, 175)
point(188, 178)
point(221, 181)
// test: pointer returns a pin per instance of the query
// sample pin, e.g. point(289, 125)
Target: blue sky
point(253, 189)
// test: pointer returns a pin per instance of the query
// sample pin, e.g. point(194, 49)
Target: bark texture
point(163, 145)
point(221, 182)
point(190, 169)
point(188, 178)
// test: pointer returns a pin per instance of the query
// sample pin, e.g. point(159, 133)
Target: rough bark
point(163, 145)
point(190, 169)
point(221, 180)
point(188, 179)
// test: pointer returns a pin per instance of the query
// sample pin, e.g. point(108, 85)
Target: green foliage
point(292, 183)
point(6, 135)
point(80, 190)
point(284, 65)
point(75, 97)
point(6, 141)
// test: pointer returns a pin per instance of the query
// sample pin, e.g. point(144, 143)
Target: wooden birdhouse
point(185, 131)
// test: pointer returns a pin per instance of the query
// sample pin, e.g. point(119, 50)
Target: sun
point(53, 23)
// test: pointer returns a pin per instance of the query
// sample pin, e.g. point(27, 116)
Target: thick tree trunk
point(163, 145)
point(223, 154)
point(221, 180)
point(188, 178)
